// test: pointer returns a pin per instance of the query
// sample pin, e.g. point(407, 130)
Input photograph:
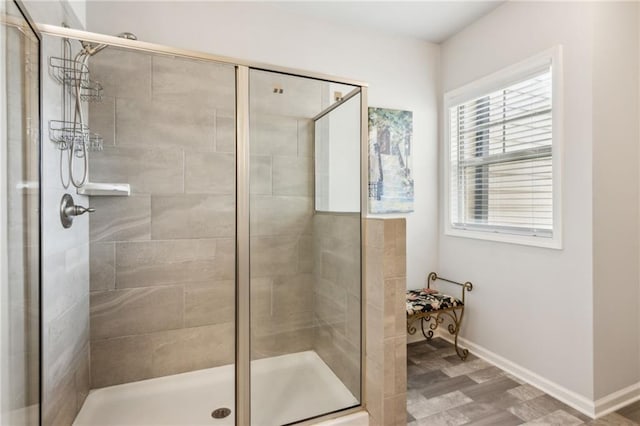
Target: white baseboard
point(616, 400)
point(593, 409)
point(572, 399)
point(417, 337)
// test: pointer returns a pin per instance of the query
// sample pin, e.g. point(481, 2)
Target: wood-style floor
point(443, 390)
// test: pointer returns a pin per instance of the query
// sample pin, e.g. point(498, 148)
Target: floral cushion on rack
point(429, 300)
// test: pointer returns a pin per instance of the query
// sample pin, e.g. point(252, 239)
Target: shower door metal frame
point(243, 319)
point(243, 263)
point(38, 38)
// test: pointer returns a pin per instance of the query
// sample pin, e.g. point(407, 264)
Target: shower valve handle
point(69, 210)
point(78, 210)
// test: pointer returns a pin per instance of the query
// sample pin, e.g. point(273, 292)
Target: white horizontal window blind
point(501, 159)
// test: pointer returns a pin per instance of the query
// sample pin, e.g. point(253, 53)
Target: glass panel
point(305, 265)
point(337, 156)
point(19, 283)
point(159, 300)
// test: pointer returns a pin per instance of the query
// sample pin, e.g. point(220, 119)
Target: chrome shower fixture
point(72, 133)
point(91, 49)
point(128, 35)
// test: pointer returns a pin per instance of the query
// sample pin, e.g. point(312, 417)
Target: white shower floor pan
point(285, 389)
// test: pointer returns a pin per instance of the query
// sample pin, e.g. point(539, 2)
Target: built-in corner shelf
point(94, 189)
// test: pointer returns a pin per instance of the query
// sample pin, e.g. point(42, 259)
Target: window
point(501, 156)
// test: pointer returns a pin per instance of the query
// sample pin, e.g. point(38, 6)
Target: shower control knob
point(78, 210)
point(69, 210)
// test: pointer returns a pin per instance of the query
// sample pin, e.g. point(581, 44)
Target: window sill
point(524, 240)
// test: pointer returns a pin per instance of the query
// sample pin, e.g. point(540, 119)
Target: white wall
point(570, 315)
point(533, 306)
point(615, 197)
point(401, 72)
point(79, 8)
point(56, 12)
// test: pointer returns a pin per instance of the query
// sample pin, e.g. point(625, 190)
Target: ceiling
point(433, 21)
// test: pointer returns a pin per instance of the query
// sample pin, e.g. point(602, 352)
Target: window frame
point(484, 86)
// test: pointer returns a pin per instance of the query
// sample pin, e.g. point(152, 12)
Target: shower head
point(91, 49)
point(128, 35)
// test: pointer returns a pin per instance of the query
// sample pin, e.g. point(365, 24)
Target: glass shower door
point(304, 262)
point(147, 281)
point(19, 227)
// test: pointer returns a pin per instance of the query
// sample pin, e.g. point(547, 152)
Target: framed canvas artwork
point(390, 177)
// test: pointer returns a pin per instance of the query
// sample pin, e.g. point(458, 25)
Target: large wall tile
point(122, 73)
point(395, 413)
point(152, 263)
point(102, 120)
point(293, 293)
point(164, 124)
point(391, 286)
point(305, 254)
point(147, 170)
point(261, 297)
point(331, 311)
point(260, 174)
point(354, 318)
point(340, 355)
point(209, 173)
point(192, 216)
point(225, 132)
point(132, 358)
point(395, 249)
point(102, 266)
point(225, 260)
point(283, 321)
point(293, 176)
point(281, 343)
point(190, 349)
point(306, 135)
point(375, 278)
point(135, 311)
point(337, 294)
point(386, 337)
point(65, 339)
point(60, 405)
point(274, 135)
point(120, 360)
point(281, 215)
point(271, 256)
point(211, 302)
point(120, 219)
point(66, 282)
point(205, 83)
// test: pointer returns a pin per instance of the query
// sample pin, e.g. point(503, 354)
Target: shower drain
point(220, 413)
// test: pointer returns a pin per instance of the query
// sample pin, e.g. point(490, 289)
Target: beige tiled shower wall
point(65, 272)
point(337, 294)
point(386, 351)
point(281, 217)
point(162, 260)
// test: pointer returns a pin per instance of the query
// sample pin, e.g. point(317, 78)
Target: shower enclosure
point(215, 276)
